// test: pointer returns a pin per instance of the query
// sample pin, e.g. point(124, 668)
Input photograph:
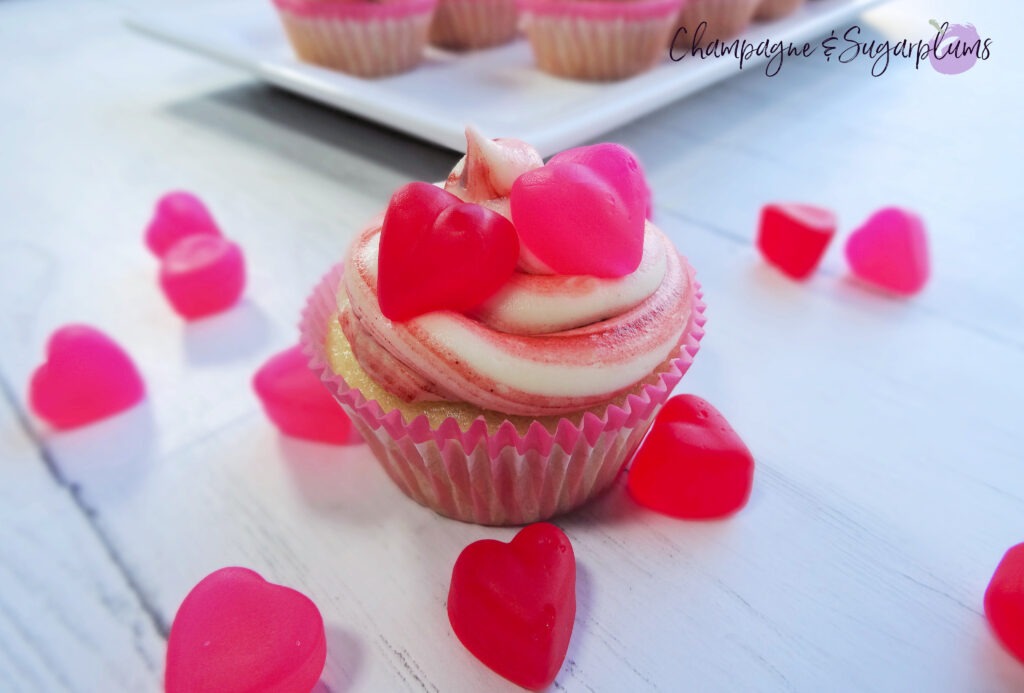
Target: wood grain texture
point(890, 474)
point(69, 621)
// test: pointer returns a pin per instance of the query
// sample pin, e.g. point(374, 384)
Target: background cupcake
point(360, 37)
point(472, 24)
point(724, 19)
point(597, 39)
point(530, 403)
point(769, 10)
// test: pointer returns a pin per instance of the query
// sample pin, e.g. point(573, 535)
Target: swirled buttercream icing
point(544, 344)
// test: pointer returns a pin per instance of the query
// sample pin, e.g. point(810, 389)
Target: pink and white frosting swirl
point(544, 344)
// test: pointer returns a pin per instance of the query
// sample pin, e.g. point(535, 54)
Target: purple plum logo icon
point(956, 48)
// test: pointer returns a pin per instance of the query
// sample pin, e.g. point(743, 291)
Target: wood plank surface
point(887, 432)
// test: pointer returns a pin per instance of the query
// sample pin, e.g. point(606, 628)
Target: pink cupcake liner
point(598, 40)
point(725, 18)
point(367, 39)
point(769, 10)
point(501, 476)
point(471, 24)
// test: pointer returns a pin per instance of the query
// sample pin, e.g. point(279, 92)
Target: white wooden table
point(887, 432)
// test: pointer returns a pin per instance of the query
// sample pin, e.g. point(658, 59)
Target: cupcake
point(769, 10)
point(472, 24)
point(366, 38)
point(504, 342)
point(722, 19)
point(598, 39)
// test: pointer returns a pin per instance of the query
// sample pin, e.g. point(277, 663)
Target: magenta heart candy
point(178, 214)
point(891, 251)
point(584, 211)
point(202, 275)
point(440, 253)
point(297, 402)
point(616, 165)
point(237, 633)
point(87, 376)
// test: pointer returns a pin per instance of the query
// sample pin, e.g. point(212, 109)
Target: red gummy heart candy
point(1004, 601)
point(513, 605)
point(692, 464)
point(584, 211)
point(297, 402)
point(87, 376)
point(237, 633)
point(440, 253)
point(178, 214)
point(891, 251)
point(202, 275)
point(793, 237)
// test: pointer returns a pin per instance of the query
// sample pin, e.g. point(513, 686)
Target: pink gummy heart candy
point(513, 605)
point(1004, 601)
point(440, 253)
point(87, 376)
point(237, 633)
point(178, 214)
point(692, 464)
point(793, 237)
point(891, 251)
point(202, 275)
point(297, 402)
point(584, 211)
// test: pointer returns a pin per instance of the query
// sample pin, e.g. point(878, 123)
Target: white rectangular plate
point(498, 90)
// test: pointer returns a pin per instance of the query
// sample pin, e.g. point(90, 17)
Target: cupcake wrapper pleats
point(357, 42)
point(502, 476)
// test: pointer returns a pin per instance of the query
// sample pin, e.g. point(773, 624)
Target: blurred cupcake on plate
point(722, 19)
point(366, 38)
point(598, 39)
point(473, 24)
point(770, 10)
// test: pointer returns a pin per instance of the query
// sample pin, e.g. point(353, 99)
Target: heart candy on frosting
point(620, 168)
point(440, 253)
point(237, 633)
point(584, 211)
point(692, 464)
point(87, 377)
point(513, 605)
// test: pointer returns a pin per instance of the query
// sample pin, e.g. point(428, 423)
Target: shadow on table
point(998, 669)
point(229, 336)
point(344, 660)
point(340, 480)
point(585, 600)
point(114, 454)
point(330, 139)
